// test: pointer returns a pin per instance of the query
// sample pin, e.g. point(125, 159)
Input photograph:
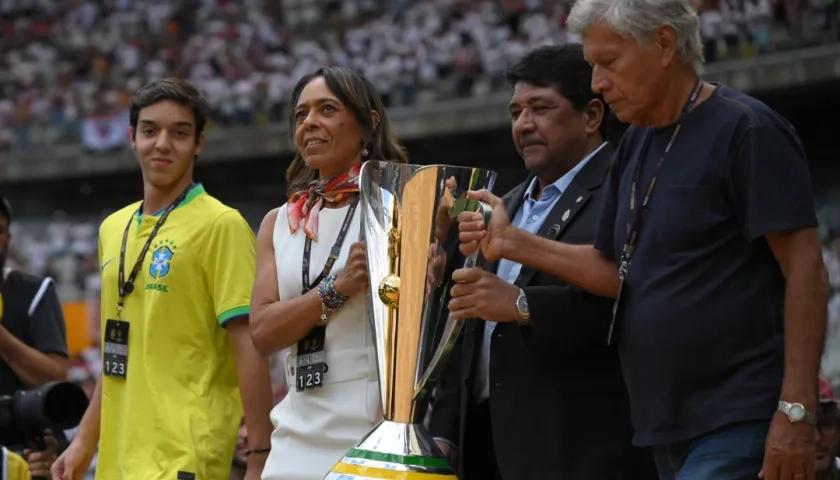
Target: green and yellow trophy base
point(394, 451)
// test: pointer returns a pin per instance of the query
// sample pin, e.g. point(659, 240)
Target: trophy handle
point(453, 328)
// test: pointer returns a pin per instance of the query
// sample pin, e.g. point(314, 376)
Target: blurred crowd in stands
point(62, 248)
point(67, 66)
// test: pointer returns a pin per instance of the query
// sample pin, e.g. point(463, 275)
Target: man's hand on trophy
point(449, 452)
point(474, 233)
point(353, 278)
point(481, 294)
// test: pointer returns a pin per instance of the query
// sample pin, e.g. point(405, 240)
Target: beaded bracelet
point(331, 299)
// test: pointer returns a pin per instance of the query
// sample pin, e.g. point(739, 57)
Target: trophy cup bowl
point(411, 239)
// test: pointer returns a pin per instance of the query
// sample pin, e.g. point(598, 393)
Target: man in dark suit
point(533, 391)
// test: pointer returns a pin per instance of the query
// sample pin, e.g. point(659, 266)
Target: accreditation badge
point(115, 349)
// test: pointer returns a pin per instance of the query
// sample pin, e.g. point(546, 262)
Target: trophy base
point(394, 451)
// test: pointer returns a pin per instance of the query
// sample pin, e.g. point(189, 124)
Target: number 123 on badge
point(115, 349)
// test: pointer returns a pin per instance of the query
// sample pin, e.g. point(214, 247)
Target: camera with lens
point(26, 415)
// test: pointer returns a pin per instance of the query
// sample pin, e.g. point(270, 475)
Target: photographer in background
point(33, 342)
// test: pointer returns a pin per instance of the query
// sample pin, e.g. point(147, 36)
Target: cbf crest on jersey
point(162, 254)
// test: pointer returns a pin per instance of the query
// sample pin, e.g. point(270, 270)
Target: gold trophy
point(408, 217)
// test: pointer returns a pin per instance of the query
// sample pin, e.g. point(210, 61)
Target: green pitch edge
point(414, 461)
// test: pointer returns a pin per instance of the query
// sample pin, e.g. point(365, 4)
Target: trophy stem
point(394, 451)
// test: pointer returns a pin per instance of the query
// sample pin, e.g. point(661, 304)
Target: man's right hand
point(474, 233)
point(449, 452)
point(74, 462)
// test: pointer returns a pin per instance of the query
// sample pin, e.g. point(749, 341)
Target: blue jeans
point(734, 452)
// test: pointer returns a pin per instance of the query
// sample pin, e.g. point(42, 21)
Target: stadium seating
point(69, 66)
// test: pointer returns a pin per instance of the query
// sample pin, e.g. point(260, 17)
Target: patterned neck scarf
point(303, 206)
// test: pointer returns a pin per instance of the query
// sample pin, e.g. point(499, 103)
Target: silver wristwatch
point(522, 308)
point(796, 412)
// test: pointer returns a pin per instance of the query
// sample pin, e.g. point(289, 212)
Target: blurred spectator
point(61, 248)
point(830, 223)
point(827, 437)
point(240, 457)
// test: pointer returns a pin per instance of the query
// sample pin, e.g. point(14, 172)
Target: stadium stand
point(67, 67)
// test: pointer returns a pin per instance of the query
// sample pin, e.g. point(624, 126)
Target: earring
point(365, 152)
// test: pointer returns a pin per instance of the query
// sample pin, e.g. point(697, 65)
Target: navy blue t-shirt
point(700, 321)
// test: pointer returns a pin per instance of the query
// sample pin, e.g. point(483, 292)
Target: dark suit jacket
point(558, 403)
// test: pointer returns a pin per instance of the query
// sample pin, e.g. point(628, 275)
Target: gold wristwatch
point(522, 308)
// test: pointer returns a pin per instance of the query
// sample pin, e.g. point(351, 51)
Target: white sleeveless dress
point(315, 428)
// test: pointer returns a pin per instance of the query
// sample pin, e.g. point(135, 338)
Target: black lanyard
point(634, 216)
point(336, 249)
point(127, 286)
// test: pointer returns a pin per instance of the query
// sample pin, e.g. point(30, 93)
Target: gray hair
point(639, 19)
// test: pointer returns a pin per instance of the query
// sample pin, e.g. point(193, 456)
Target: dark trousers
point(477, 454)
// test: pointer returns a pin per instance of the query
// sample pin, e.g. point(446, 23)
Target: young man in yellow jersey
point(177, 270)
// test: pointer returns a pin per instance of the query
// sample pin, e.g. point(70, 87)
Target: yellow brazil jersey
point(177, 412)
point(13, 466)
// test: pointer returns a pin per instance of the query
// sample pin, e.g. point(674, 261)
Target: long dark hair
point(360, 97)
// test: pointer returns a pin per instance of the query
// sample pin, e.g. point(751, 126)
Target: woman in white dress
point(314, 306)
